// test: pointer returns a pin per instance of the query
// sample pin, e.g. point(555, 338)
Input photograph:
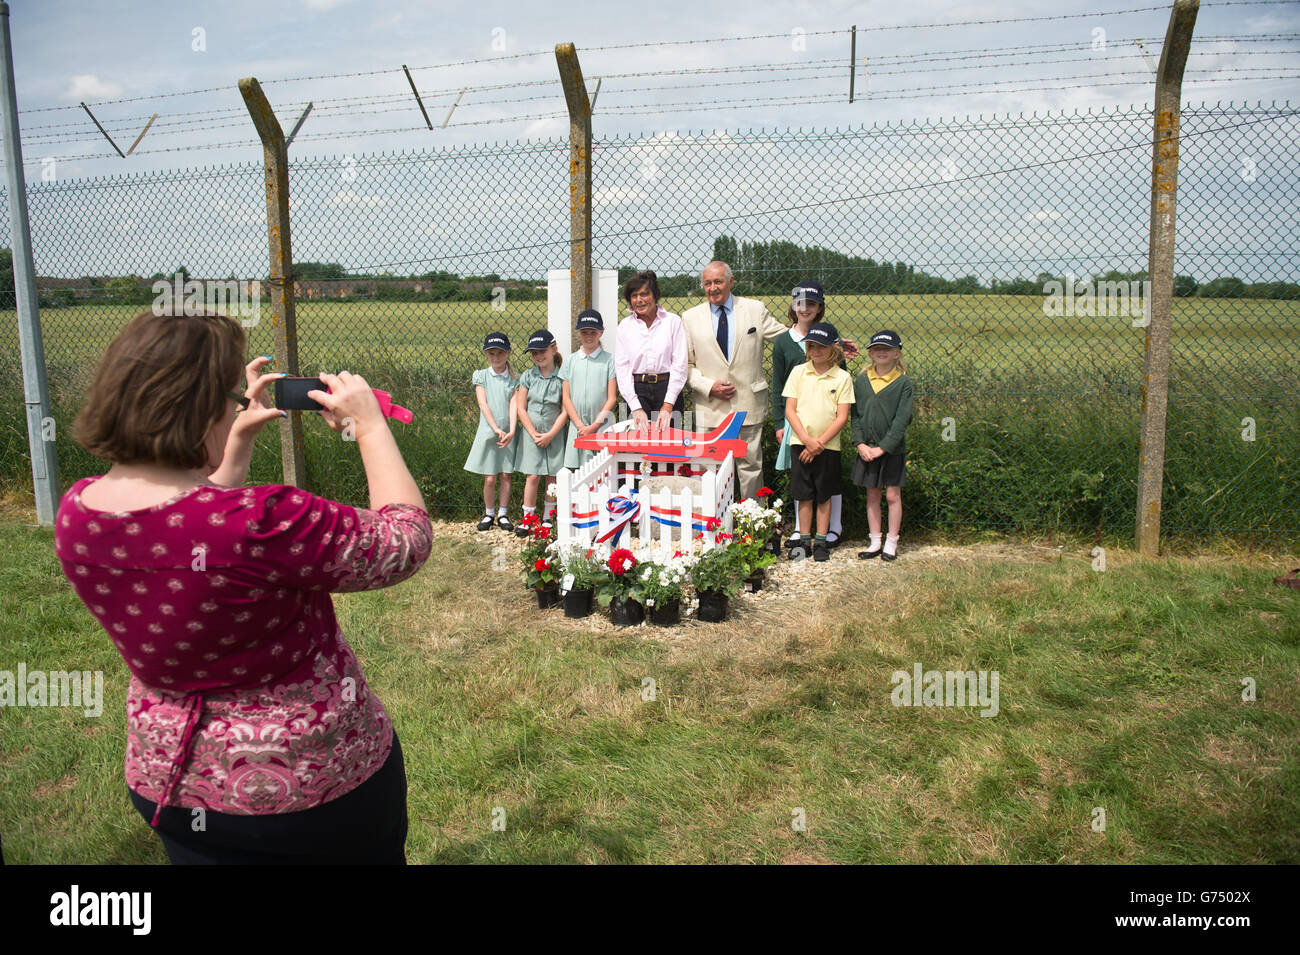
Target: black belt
point(651, 379)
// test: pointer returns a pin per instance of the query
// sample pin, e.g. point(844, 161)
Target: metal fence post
point(575, 94)
point(36, 391)
point(1160, 272)
point(283, 320)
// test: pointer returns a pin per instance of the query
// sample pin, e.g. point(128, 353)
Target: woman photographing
point(246, 706)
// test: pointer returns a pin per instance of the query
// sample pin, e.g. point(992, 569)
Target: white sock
point(874, 542)
point(529, 510)
point(891, 545)
point(488, 511)
point(836, 525)
point(501, 511)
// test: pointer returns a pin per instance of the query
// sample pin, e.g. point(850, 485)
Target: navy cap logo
point(496, 340)
point(540, 339)
point(822, 333)
point(887, 338)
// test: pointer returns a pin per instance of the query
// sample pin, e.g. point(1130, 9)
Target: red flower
point(764, 492)
point(530, 521)
point(541, 565)
point(621, 561)
point(677, 553)
point(725, 536)
point(590, 551)
point(541, 533)
point(713, 523)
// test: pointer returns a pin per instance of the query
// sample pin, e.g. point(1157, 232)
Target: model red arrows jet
point(673, 444)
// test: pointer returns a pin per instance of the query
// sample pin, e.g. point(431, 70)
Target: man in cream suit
point(725, 337)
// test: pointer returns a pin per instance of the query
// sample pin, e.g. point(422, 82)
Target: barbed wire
point(687, 106)
point(502, 57)
point(343, 109)
point(874, 64)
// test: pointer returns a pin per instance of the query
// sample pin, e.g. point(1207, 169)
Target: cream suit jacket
point(754, 325)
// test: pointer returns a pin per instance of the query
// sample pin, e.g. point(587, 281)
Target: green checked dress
point(588, 377)
point(544, 407)
point(484, 455)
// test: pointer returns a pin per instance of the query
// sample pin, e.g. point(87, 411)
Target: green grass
point(1046, 410)
point(1119, 689)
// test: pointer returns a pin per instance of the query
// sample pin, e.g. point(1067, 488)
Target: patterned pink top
point(244, 697)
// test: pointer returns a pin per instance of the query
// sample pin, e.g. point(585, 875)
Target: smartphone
point(291, 393)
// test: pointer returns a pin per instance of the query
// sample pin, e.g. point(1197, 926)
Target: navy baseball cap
point(496, 340)
point(808, 292)
point(590, 318)
point(887, 338)
point(822, 333)
point(540, 339)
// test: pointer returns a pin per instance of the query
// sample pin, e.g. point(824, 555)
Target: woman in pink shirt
point(252, 735)
point(650, 360)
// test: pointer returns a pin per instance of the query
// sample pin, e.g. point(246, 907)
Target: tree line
point(761, 268)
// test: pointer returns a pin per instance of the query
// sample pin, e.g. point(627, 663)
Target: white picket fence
point(662, 520)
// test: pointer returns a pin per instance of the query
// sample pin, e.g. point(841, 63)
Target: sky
point(148, 50)
point(495, 61)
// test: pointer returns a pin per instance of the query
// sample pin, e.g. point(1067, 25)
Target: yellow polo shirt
point(877, 382)
point(819, 399)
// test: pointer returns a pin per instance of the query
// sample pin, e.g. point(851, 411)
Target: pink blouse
point(244, 697)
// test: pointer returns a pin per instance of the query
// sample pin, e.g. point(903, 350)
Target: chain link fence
point(1007, 253)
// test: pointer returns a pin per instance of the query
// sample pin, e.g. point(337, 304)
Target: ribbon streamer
point(623, 510)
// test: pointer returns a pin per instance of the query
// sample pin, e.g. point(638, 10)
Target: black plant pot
point(667, 614)
point(713, 606)
point(626, 613)
point(754, 582)
point(548, 596)
point(577, 603)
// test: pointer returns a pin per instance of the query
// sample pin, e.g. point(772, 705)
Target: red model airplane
point(672, 444)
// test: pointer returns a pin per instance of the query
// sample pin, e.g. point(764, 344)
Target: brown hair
point(160, 387)
point(792, 317)
point(636, 283)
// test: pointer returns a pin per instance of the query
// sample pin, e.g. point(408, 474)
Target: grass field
point(1120, 690)
point(1044, 411)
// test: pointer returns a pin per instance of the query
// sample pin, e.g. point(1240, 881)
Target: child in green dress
point(590, 388)
point(541, 413)
point(493, 451)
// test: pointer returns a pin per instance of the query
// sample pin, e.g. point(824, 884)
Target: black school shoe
point(832, 544)
point(486, 523)
point(503, 522)
point(868, 554)
point(821, 551)
point(884, 556)
point(794, 541)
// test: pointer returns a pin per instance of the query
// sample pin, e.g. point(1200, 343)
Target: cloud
point(89, 86)
point(325, 4)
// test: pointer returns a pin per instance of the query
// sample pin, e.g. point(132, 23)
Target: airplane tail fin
point(730, 427)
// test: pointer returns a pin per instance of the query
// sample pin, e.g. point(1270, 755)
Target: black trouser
point(365, 827)
point(652, 398)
